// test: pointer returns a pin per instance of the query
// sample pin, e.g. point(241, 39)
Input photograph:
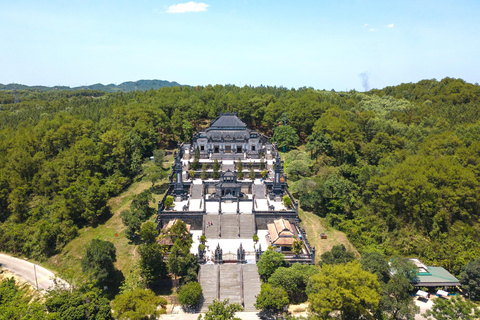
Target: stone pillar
point(241, 254)
point(258, 252)
point(201, 255)
point(218, 255)
point(178, 190)
point(277, 187)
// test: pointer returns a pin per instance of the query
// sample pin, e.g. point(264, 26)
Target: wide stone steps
point(259, 191)
point(229, 226)
point(225, 281)
point(251, 282)
point(209, 283)
point(211, 222)
point(230, 286)
point(247, 228)
point(196, 192)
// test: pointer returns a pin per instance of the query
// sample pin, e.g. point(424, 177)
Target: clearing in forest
point(314, 226)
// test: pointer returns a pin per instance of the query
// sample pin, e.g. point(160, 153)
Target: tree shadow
point(102, 219)
point(267, 315)
point(160, 189)
point(114, 284)
point(163, 288)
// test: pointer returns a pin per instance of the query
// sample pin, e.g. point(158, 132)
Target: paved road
point(26, 270)
point(424, 306)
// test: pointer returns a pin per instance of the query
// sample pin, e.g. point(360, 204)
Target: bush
point(168, 202)
point(269, 262)
point(190, 294)
point(264, 174)
point(138, 304)
point(287, 202)
point(271, 299)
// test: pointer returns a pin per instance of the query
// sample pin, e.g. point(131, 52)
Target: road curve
point(31, 272)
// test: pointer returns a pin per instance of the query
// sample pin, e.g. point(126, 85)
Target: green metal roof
point(436, 277)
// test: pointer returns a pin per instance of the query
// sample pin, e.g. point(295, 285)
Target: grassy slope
point(314, 226)
point(67, 262)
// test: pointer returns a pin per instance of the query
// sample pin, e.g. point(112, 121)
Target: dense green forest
point(396, 169)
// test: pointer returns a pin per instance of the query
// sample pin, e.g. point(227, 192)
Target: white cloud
point(373, 30)
point(390, 25)
point(188, 7)
point(365, 25)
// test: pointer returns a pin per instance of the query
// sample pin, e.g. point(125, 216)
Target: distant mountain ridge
point(141, 85)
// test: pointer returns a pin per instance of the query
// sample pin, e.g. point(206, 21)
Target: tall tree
point(269, 262)
point(396, 302)
point(81, 303)
point(346, 289)
point(294, 280)
point(376, 263)
point(470, 279)
point(190, 294)
point(285, 137)
point(98, 261)
point(272, 299)
point(338, 255)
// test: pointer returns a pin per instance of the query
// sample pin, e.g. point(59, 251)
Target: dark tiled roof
point(228, 121)
point(228, 185)
point(229, 173)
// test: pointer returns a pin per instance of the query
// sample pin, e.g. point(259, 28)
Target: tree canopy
point(272, 299)
point(138, 304)
point(190, 294)
point(269, 262)
point(98, 261)
point(221, 310)
point(345, 288)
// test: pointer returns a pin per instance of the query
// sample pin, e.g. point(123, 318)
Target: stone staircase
point(211, 222)
point(209, 282)
point(247, 228)
point(229, 281)
point(230, 286)
point(259, 191)
point(196, 191)
point(229, 226)
point(252, 285)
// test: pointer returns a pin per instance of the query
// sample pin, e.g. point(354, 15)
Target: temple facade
point(227, 137)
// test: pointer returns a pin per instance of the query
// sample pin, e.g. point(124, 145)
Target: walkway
point(259, 191)
point(196, 191)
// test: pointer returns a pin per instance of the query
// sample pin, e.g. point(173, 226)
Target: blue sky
point(321, 44)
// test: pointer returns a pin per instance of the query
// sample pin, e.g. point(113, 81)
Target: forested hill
point(397, 169)
point(128, 86)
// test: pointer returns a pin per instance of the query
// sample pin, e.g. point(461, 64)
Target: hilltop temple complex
point(228, 184)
